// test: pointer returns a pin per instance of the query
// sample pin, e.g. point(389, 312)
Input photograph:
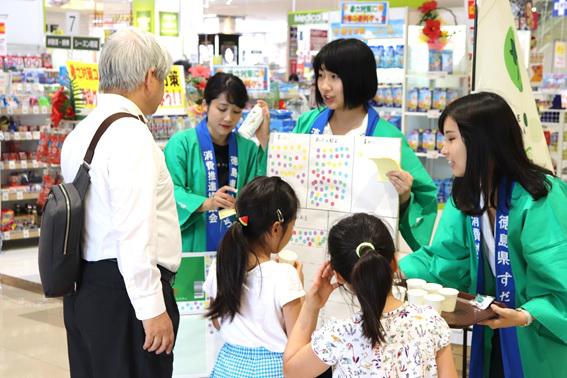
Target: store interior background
point(257, 33)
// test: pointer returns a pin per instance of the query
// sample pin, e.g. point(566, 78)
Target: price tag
point(7, 235)
point(24, 164)
point(5, 196)
point(29, 135)
point(19, 195)
point(28, 87)
point(35, 109)
point(35, 164)
point(19, 87)
point(10, 110)
point(26, 234)
point(11, 164)
point(432, 154)
point(35, 135)
point(433, 114)
point(25, 109)
point(17, 136)
point(44, 110)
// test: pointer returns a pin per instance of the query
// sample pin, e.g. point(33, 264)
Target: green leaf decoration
point(511, 60)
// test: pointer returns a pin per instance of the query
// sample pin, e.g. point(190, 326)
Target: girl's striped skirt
point(242, 362)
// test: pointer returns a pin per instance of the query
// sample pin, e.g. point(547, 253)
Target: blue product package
point(397, 94)
point(434, 60)
point(448, 187)
point(399, 56)
point(379, 56)
point(424, 99)
point(439, 98)
point(413, 98)
point(380, 96)
point(440, 184)
point(413, 138)
point(396, 121)
point(447, 61)
point(389, 55)
point(439, 140)
point(388, 98)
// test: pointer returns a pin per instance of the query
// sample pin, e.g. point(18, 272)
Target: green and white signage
point(169, 24)
point(308, 17)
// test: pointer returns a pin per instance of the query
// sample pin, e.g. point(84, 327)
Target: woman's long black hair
point(495, 152)
point(263, 201)
point(371, 275)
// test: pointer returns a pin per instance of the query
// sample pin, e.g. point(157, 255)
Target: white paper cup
point(415, 283)
point(416, 296)
point(450, 299)
point(432, 288)
point(399, 292)
point(435, 301)
point(287, 257)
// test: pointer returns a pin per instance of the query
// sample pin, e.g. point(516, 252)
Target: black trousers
point(104, 337)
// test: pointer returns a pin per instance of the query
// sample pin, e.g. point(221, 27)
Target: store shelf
point(430, 155)
point(431, 114)
point(18, 196)
point(17, 165)
point(20, 234)
point(35, 110)
point(389, 109)
point(436, 75)
point(22, 135)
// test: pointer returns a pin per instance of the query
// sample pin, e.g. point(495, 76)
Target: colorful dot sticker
point(309, 238)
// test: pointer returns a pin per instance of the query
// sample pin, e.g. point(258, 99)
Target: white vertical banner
point(501, 69)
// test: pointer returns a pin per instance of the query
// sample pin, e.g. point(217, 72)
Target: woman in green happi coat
point(210, 163)
point(511, 215)
point(346, 80)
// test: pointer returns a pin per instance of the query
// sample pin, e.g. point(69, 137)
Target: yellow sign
point(84, 77)
point(174, 101)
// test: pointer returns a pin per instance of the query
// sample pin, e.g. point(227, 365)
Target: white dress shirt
point(130, 212)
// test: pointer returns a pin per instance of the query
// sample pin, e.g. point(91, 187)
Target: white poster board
point(333, 176)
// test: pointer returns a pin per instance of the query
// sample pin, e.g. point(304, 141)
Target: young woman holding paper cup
point(209, 163)
point(503, 234)
point(345, 82)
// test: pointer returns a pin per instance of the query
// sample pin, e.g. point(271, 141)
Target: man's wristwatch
point(528, 315)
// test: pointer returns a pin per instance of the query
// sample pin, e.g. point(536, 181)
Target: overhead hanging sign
point(86, 43)
point(364, 13)
point(393, 29)
point(57, 42)
point(307, 17)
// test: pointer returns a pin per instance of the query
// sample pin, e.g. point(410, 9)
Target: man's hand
point(159, 334)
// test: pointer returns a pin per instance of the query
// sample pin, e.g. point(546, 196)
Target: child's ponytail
point(371, 280)
point(261, 203)
point(362, 251)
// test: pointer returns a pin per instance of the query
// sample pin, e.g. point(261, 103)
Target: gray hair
point(127, 57)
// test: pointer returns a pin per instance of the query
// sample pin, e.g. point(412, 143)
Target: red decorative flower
point(428, 6)
point(432, 29)
point(200, 71)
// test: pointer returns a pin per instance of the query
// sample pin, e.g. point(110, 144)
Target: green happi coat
point(418, 218)
point(185, 164)
point(537, 241)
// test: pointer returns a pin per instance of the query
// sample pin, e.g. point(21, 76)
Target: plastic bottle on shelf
point(251, 123)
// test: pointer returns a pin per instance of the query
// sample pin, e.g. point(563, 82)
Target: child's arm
point(299, 358)
point(445, 363)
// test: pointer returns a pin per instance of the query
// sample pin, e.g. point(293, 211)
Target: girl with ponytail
point(255, 301)
point(386, 338)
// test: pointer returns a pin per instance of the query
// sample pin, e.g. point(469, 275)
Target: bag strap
point(101, 129)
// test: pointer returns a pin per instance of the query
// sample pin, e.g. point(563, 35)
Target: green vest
point(185, 164)
point(537, 241)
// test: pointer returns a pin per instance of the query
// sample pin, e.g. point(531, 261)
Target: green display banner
point(406, 3)
point(143, 14)
point(169, 24)
point(57, 42)
point(308, 17)
point(86, 43)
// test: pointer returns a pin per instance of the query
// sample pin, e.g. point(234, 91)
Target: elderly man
point(123, 319)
